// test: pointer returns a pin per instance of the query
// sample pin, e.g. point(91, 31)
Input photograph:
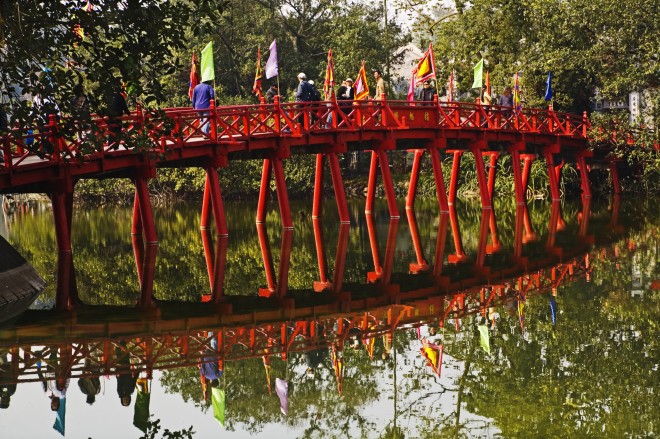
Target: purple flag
point(282, 391)
point(271, 64)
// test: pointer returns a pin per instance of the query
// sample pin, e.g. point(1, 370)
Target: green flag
point(218, 402)
point(207, 67)
point(478, 74)
point(485, 339)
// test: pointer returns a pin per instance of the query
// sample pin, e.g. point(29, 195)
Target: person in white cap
point(304, 91)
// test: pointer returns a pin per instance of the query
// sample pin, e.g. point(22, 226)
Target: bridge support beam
point(379, 157)
point(440, 189)
point(337, 183)
point(552, 175)
point(477, 148)
point(492, 170)
point(584, 176)
point(274, 164)
point(517, 177)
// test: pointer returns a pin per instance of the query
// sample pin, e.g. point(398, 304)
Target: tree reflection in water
point(585, 361)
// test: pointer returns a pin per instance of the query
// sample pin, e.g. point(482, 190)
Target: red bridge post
point(379, 156)
point(280, 187)
point(477, 148)
point(455, 174)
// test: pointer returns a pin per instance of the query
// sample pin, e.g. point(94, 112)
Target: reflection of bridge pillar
point(143, 222)
point(213, 202)
point(441, 240)
point(555, 214)
point(323, 282)
point(340, 258)
point(484, 225)
point(62, 202)
point(614, 173)
point(216, 262)
point(338, 186)
point(459, 254)
point(518, 233)
point(280, 186)
point(277, 287)
point(420, 263)
point(379, 157)
point(382, 273)
point(495, 240)
point(455, 174)
point(584, 176)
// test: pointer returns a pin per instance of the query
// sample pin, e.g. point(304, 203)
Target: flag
point(194, 77)
point(426, 66)
point(207, 67)
point(89, 6)
point(553, 310)
point(218, 402)
point(548, 89)
point(411, 87)
point(488, 97)
point(517, 104)
point(60, 416)
point(485, 339)
point(329, 82)
point(271, 65)
point(256, 87)
point(282, 391)
point(361, 86)
point(478, 74)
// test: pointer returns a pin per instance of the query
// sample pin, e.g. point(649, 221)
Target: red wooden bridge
point(51, 160)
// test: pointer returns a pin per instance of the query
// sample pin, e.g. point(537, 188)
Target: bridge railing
point(179, 127)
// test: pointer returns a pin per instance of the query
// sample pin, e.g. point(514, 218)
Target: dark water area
point(536, 321)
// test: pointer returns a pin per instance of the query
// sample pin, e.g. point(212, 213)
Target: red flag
point(426, 66)
point(194, 77)
point(361, 86)
point(329, 83)
point(256, 87)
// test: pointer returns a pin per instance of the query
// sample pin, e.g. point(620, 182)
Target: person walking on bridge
point(380, 85)
point(201, 101)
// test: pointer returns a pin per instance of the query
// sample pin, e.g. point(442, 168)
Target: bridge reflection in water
point(90, 341)
point(452, 283)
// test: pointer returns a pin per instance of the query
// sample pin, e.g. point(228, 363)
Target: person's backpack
point(316, 95)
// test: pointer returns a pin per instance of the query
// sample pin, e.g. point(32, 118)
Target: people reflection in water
point(90, 385)
point(209, 370)
point(126, 377)
point(8, 377)
point(54, 380)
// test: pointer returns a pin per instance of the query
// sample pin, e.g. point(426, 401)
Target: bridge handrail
point(180, 126)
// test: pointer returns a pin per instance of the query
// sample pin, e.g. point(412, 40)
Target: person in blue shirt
point(201, 100)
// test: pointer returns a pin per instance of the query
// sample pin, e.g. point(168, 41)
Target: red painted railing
point(180, 127)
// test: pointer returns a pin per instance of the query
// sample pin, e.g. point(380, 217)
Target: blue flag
point(548, 89)
point(553, 309)
point(60, 416)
